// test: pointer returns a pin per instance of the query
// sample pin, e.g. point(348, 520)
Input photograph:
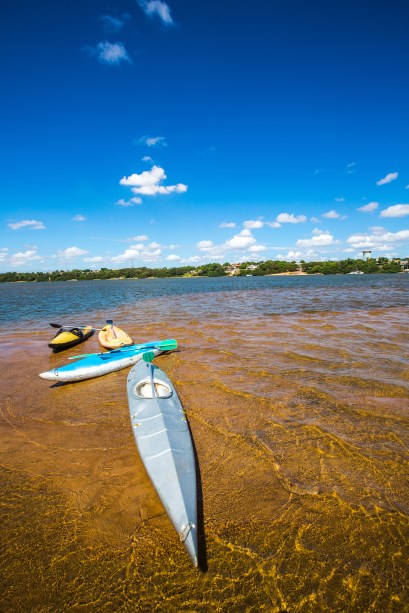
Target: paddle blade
point(56, 325)
point(167, 345)
point(109, 321)
point(148, 356)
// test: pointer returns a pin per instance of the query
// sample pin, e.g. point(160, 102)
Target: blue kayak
point(98, 364)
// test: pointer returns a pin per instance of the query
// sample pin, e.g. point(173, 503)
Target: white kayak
point(164, 443)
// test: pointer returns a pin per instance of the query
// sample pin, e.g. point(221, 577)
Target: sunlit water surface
point(297, 394)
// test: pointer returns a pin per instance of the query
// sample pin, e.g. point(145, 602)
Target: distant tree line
point(269, 267)
point(342, 267)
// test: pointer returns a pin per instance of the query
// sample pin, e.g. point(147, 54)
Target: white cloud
point(70, 253)
point(23, 257)
point(109, 53)
point(153, 141)
point(369, 208)
point(131, 202)
point(290, 218)
point(397, 210)
point(257, 248)
point(31, 224)
point(378, 241)
point(139, 237)
point(253, 225)
point(4, 251)
point(333, 215)
point(114, 24)
point(79, 218)
point(204, 245)
point(157, 8)
point(391, 176)
point(321, 240)
point(243, 240)
point(315, 220)
point(129, 254)
point(174, 258)
point(227, 224)
point(95, 259)
point(147, 183)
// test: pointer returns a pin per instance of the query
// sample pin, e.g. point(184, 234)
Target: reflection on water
point(299, 420)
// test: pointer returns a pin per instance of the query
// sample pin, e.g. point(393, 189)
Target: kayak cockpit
point(152, 388)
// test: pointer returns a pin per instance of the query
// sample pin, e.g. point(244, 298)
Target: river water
point(296, 390)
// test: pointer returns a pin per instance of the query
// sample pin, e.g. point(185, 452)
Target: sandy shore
point(300, 434)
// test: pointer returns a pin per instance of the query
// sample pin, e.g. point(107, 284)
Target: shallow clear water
point(297, 394)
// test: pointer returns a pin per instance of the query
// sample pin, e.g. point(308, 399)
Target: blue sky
point(152, 133)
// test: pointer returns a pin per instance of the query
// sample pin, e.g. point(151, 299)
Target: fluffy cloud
point(320, 240)
point(70, 253)
point(114, 24)
point(331, 215)
point(290, 218)
point(253, 225)
point(153, 141)
point(397, 210)
point(23, 257)
point(131, 202)
point(148, 183)
point(258, 223)
point(391, 176)
point(78, 218)
point(204, 245)
point(31, 224)
point(94, 260)
point(243, 240)
point(139, 251)
point(109, 53)
point(369, 208)
point(157, 8)
point(174, 258)
point(379, 240)
point(257, 248)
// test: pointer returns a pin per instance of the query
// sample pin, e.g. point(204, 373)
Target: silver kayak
point(164, 443)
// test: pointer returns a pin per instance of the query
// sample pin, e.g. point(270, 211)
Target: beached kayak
point(95, 365)
point(112, 337)
point(164, 443)
point(69, 337)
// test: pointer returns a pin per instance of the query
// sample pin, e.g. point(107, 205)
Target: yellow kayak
point(69, 337)
point(112, 337)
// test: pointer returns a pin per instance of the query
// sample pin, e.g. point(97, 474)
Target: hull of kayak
point(66, 338)
point(164, 443)
point(112, 337)
point(96, 365)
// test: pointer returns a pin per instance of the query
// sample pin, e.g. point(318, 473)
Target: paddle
point(69, 326)
point(111, 323)
point(166, 345)
point(148, 357)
